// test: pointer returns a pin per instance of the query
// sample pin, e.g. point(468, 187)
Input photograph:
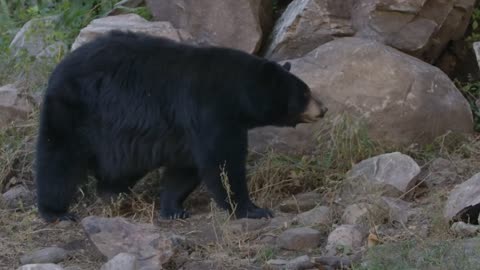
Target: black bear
point(128, 103)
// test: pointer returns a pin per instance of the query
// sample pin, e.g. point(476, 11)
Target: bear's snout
point(314, 111)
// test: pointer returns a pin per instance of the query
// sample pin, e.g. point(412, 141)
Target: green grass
point(412, 254)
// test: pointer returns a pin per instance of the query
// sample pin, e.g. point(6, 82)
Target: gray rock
point(14, 104)
point(122, 261)
point(41, 266)
point(131, 22)
point(247, 225)
point(277, 263)
point(112, 236)
point(392, 174)
point(465, 230)
point(32, 35)
point(476, 49)
point(398, 210)
point(418, 27)
point(463, 196)
point(358, 213)
point(239, 24)
point(307, 24)
point(398, 99)
point(54, 50)
point(46, 255)
point(299, 239)
point(344, 240)
point(441, 172)
point(334, 262)
point(317, 216)
point(299, 263)
point(301, 202)
point(17, 197)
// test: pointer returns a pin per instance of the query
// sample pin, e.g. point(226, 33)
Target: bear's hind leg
point(178, 183)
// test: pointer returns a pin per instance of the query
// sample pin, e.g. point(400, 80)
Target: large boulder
point(33, 36)
point(239, 24)
point(307, 24)
point(418, 27)
point(401, 99)
point(131, 22)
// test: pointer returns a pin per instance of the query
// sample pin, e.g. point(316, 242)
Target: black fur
point(126, 104)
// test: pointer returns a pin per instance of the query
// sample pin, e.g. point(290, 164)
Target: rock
point(344, 240)
point(57, 49)
point(465, 230)
point(41, 266)
point(307, 24)
point(17, 197)
point(299, 263)
point(299, 239)
point(277, 263)
point(14, 105)
point(112, 236)
point(244, 225)
point(398, 210)
point(463, 201)
point(73, 267)
point(441, 172)
point(476, 49)
point(301, 202)
point(334, 262)
point(32, 35)
point(46, 255)
point(131, 22)
point(391, 173)
point(398, 99)
point(239, 24)
point(418, 27)
point(122, 261)
point(358, 213)
point(318, 215)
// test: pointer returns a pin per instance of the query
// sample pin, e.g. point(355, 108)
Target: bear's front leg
point(221, 163)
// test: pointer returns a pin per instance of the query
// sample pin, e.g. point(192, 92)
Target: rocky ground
point(388, 181)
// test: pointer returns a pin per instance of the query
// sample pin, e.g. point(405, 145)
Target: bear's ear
point(287, 66)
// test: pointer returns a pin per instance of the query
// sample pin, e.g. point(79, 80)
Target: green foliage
point(475, 23)
point(471, 91)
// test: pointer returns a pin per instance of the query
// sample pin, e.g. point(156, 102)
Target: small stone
point(17, 197)
point(112, 236)
point(247, 225)
point(65, 224)
point(464, 229)
point(277, 262)
point(46, 255)
point(333, 261)
point(122, 261)
point(301, 202)
point(318, 215)
point(299, 239)
point(299, 263)
point(344, 240)
point(392, 173)
point(41, 266)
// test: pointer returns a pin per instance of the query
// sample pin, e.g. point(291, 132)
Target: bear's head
point(285, 99)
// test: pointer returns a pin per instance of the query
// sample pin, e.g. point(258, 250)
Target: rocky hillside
point(389, 181)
